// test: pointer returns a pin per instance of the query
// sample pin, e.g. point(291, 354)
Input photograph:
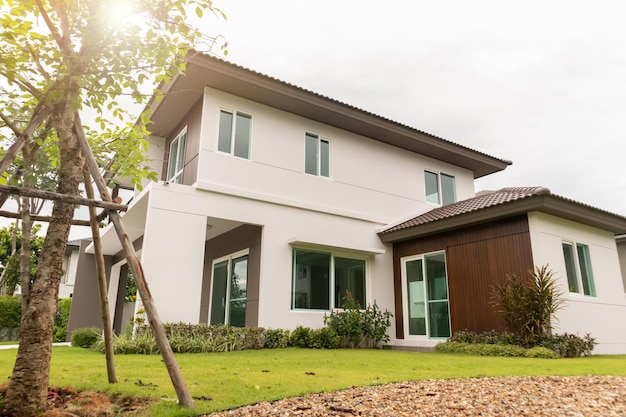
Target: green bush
point(60, 319)
point(300, 337)
point(528, 306)
point(10, 312)
point(86, 337)
point(481, 349)
point(276, 338)
point(541, 352)
point(357, 327)
point(324, 338)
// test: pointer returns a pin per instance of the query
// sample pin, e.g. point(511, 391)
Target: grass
point(244, 377)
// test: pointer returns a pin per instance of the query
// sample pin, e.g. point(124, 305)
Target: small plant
point(300, 337)
point(541, 352)
point(528, 306)
point(86, 337)
point(357, 327)
point(481, 349)
point(276, 338)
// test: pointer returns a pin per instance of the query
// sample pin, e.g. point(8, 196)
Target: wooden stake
point(182, 392)
point(66, 198)
point(102, 282)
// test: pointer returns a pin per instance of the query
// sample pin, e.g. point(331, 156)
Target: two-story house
point(271, 201)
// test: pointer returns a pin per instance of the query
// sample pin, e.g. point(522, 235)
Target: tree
point(10, 245)
point(60, 57)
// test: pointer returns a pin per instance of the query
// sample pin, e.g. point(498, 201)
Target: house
point(70, 262)
point(271, 201)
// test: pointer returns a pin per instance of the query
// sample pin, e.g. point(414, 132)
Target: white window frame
point(440, 174)
point(405, 296)
point(233, 132)
point(229, 258)
point(577, 271)
point(318, 156)
point(176, 175)
point(331, 280)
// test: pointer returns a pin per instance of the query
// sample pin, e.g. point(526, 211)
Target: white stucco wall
point(602, 316)
point(70, 263)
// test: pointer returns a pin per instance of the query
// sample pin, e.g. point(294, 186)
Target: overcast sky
point(541, 83)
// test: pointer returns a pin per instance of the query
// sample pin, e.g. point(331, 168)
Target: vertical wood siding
point(477, 258)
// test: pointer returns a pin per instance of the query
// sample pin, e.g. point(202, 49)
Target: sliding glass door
point(229, 290)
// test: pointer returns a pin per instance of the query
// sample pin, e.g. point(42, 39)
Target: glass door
point(229, 291)
point(425, 291)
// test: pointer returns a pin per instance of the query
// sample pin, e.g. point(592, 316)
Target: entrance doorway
point(229, 290)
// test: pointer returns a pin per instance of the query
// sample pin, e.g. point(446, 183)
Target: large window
point(176, 160)
point(425, 291)
point(235, 132)
point(440, 188)
point(322, 281)
point(317, 155)
point(578, 268)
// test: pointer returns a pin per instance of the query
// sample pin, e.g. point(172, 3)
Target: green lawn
point(237, 378)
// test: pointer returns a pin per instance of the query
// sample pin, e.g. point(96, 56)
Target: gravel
point(580, 396)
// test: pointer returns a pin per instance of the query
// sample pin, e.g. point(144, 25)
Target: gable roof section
point(494, 205)
point(203, 70)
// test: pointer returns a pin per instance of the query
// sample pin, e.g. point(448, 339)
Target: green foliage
point(357, 327)
point(276, 338)
point(130, 294)
point(10, 312)
point(481, 349)
point(60, 319)
point(300, 337)
point(541, 352)
point(528, 306)
point(10, 262)
point(324, 338)
point(563, 345)
point(86, 337)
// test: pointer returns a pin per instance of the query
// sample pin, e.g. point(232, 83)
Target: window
point(425, 291)
point(176, 160)
point(229, 296)
point(234, 134)
point(440, 188)
point(321, 281)
point(317, 155)
point(578, 268)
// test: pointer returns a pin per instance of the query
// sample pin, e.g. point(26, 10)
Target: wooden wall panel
point(477, 258)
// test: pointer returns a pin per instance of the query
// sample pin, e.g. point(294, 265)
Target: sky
point(540, 83)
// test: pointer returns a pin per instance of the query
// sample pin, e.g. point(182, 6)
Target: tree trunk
point(102, 282)
point(28, 387)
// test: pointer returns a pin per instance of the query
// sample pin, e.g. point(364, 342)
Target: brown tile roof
point(482, 200)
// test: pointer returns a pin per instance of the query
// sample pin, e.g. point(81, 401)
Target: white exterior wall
point(70, 263)
point(368, 179)
point(601, 316)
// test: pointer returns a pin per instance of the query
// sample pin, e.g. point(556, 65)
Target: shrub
point(527, 306)
point(490, 337)
point(568, 345)
point(324, 338)
point(481, 349)
point(10, 312)
point(300, 337)
point(541, 352)
point(276, 338)
point(86, 337)
point(60, 319)
point(357, 327)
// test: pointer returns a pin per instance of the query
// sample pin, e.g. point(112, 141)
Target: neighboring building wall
point(477, 258)
point(85, 310)
point(602, 316)
point(70, 265)
point(191, 121)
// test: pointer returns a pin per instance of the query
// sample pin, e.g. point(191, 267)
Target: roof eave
point(205, 71)
point(548, 204)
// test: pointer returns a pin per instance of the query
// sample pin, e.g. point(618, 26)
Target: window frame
point(322, 155)
point(584, 282)
point(233, 137)
point(441, 195)
point(176, 175)
point(332, 281)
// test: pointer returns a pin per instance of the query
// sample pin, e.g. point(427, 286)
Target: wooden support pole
point(102, 282)
point(66, 198)
point(182, 392)
point(36, 218)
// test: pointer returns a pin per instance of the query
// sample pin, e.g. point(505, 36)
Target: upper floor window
point(322, 281)
point(176, 160)
point(317, 155)
point(440, 188)
point(578, 268)
point(235, 132)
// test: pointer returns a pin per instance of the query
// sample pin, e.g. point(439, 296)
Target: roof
point(204, 70)
point(506, 202)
